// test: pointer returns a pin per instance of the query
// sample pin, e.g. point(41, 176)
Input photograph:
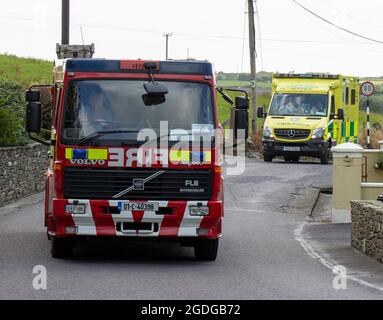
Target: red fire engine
point(134, 150)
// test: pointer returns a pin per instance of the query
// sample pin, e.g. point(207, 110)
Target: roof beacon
point(66, 51)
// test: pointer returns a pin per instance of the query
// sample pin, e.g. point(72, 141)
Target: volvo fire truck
point(134, 152)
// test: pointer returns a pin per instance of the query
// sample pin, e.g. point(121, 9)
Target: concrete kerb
point(299, 234)
point(21, 203)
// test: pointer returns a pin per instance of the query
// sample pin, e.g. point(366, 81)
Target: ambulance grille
point(104, 183)
point(292, 134)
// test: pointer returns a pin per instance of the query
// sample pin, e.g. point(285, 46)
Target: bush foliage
point(12, 113)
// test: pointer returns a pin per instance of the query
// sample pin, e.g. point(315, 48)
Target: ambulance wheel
point(206, 249)
point(267, 157)
point(324, 158)
point(61, 248)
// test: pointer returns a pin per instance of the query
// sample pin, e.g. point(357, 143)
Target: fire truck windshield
point(112, 112)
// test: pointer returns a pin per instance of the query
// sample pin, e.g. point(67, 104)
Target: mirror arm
point(220, 90)
point(238, 90)
point(39, 140)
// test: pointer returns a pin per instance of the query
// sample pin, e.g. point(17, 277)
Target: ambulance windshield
point(113, 112)
point(292, 104)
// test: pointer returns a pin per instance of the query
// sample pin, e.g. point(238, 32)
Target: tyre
point(61, 248)
point(324, 158)
point(206, 249)
point(267, 157)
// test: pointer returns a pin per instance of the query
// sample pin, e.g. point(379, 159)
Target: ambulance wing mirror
point(261, 112)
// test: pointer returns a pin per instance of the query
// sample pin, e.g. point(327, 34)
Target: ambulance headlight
point(267, 132)
point(75, 208)
point(199, 210)
point(318, 133)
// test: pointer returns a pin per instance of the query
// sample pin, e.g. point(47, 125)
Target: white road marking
point(298, 233)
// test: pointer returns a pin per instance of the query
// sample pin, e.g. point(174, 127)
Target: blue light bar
point(197, 156)
point(166, 67)
point(80, 154)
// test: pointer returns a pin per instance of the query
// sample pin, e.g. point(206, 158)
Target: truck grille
point(292, 134)
point(172, 184)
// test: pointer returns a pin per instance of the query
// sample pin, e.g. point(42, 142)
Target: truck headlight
point(318, 133)
point(75, 208)
point(199, 210)
point(268, 132)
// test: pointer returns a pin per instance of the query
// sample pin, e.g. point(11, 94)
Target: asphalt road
point(259, 257)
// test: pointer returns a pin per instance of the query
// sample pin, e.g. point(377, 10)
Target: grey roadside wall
point(367, 228)
point(22, 171)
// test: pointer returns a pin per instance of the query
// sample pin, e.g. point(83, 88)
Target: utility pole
point(167, 35)
point(253, 56)
point(65, 22)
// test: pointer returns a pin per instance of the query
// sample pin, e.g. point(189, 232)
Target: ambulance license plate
point(291, 148)
point(139, 206)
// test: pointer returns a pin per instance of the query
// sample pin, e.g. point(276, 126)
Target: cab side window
point(353, 96)
point(332, 104)
point(347, 95)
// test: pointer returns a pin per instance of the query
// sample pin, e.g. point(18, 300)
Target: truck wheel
point(61, 248)
point(206, 249)
point(267, 157)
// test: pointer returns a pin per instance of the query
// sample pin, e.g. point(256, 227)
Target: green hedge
point(12, 113)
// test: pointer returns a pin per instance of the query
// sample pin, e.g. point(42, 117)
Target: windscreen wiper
point(103, 133)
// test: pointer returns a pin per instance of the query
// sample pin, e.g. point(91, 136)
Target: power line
point(350, 15)
point(211, 36)
point(335, 25)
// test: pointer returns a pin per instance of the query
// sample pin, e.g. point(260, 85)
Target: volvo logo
point(291, 133)
point(138, 184)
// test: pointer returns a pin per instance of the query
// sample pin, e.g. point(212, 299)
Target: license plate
point(139, 206)
point(291, 148)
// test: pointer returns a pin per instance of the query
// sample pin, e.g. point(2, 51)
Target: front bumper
point(311, 148)
point(104, 218)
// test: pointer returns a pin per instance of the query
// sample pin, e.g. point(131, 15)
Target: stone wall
point(22, 171)
point(367, 228)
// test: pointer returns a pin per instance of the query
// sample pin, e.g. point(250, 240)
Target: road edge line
point(298, 234)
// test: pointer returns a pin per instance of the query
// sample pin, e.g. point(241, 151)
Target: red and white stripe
point(84, 222)
point(181, 225)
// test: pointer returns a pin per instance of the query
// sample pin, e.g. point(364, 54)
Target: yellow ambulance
point(308, 114)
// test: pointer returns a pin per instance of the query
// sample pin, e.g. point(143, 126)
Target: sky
point(288, 37)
